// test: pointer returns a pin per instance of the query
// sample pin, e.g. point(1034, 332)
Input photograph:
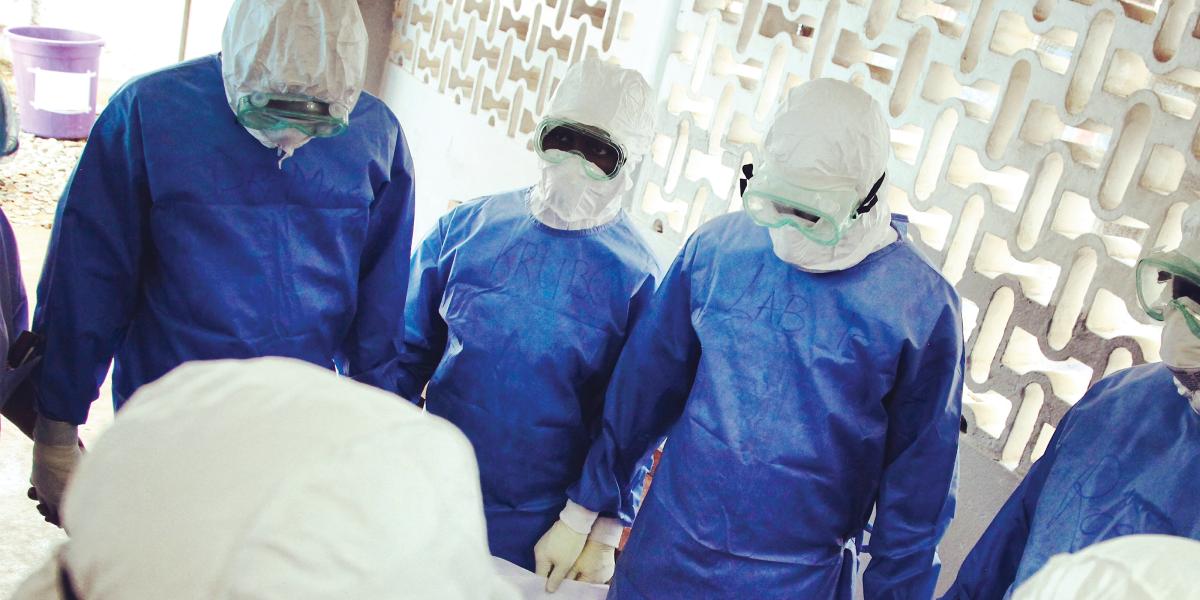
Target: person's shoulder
point(735, 223)
point(1113, 402)
point(168, 90)
point(371, 109)
point(493, 208)
point(629, 242)
point(171, 81)
point(729, 233)
point(730, 240)
point(920, 274)
point(1145, 382)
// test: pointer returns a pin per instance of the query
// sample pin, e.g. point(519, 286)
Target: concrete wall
point(1040, 148)
point(377, 14)
point(456, 156)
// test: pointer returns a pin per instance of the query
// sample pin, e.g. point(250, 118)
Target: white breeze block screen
point(1040, 148)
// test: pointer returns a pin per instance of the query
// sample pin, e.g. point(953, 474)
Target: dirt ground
point(32, 180)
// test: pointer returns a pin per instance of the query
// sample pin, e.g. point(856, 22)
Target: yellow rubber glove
point(596, 564)
point(556, 553)
point(56, 453)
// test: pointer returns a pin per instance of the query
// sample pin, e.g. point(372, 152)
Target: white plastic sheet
point(531, 587)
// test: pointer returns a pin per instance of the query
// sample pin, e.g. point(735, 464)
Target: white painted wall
point(457, 156)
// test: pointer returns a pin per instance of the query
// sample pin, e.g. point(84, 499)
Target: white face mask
point(865, 235)
point(286, 141)
point(566, 198)
point(1181, 353)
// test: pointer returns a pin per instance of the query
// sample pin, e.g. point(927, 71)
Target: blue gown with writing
point(515, 327)
point(794, 403)
point(1124, 460)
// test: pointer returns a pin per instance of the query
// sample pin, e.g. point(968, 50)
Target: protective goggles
point(1168, 280)
point(557, 140)
point(821, 215)
point(271, 112)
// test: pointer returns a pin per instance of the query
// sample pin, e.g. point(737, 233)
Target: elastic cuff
point(578, 518)
point(55, 433)
point(607, 531)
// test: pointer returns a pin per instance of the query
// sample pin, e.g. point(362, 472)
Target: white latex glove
point(56, 453)
point(556, 552)
point(596, 564)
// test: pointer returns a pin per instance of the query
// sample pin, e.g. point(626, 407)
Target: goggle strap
point(747, 175)
point(872, 197)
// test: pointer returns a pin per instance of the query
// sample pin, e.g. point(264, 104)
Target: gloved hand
point(556, 552)
point(596, 564)
point(56, 452)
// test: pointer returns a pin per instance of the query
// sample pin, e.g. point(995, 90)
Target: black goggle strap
point(872, 197)
point(747, 175)
point(865, 207)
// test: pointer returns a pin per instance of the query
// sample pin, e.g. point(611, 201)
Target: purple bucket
point(57, 73)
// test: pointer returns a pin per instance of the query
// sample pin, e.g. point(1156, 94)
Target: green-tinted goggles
point(821, 215)
point(267, 112)
point(556, 140)
point(1169, 280)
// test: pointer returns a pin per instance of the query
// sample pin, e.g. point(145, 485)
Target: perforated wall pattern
point(1040, 147)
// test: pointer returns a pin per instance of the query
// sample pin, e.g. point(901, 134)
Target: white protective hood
point(607, 97)
point(830, 134)
point(271, 479)
point(314, 48)
point(1135, 567)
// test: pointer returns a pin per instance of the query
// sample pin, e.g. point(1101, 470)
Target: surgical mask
point(1181, 351)
point(1187, 383)
point(569, 198)
point(866, 234)
point(1168, 291)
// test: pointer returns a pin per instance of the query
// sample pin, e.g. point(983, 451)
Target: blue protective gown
point(14, 309)
point(794, 403)
point(1124, 460)
point(179, 238)
point(516, 328)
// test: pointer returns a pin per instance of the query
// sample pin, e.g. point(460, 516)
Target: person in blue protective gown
point(804, 372)
point(184, 234)
point(14, 306)
point(519, 304)
point(1123, 460)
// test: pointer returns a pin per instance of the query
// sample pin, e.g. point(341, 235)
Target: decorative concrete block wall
point(1040, 147)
